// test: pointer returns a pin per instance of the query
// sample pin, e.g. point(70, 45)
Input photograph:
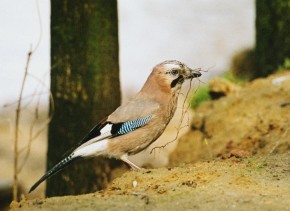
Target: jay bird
point(135, 125)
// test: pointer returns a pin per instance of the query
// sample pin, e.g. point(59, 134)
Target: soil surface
point(236, 157)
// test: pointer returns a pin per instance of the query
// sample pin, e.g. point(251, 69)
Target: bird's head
point(171, 74)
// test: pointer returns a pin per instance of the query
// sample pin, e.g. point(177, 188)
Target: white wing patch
point(105, 133)
point(106, 129)
point(94, 149)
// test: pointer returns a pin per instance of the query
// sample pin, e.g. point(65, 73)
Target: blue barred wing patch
point(130, 126)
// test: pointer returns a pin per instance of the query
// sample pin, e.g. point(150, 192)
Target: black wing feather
point(94, 132)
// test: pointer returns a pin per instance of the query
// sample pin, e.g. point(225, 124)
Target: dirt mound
point(255, 120)
point(255, 184)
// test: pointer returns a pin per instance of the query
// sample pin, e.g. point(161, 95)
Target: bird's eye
point(174, 72)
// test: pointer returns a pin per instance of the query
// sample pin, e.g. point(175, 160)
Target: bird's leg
point(126, 160)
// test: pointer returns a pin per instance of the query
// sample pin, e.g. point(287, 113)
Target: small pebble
point(135, 183)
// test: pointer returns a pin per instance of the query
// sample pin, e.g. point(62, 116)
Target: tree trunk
point(272, 35)
point(85, 85)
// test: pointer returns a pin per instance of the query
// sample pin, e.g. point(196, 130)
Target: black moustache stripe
point(176, 81)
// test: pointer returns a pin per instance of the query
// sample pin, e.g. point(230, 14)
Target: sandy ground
point(236, 157)
point(252, 184)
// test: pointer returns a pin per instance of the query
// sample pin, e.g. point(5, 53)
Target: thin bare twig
point(18, 111)
point(40, 26)
point(184, 112)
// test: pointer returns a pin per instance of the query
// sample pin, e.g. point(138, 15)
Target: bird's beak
point(192, 73)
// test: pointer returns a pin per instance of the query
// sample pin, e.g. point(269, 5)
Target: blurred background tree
point(272, 35)
point(85, 85)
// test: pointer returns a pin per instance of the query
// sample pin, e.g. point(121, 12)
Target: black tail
point(54, 170)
